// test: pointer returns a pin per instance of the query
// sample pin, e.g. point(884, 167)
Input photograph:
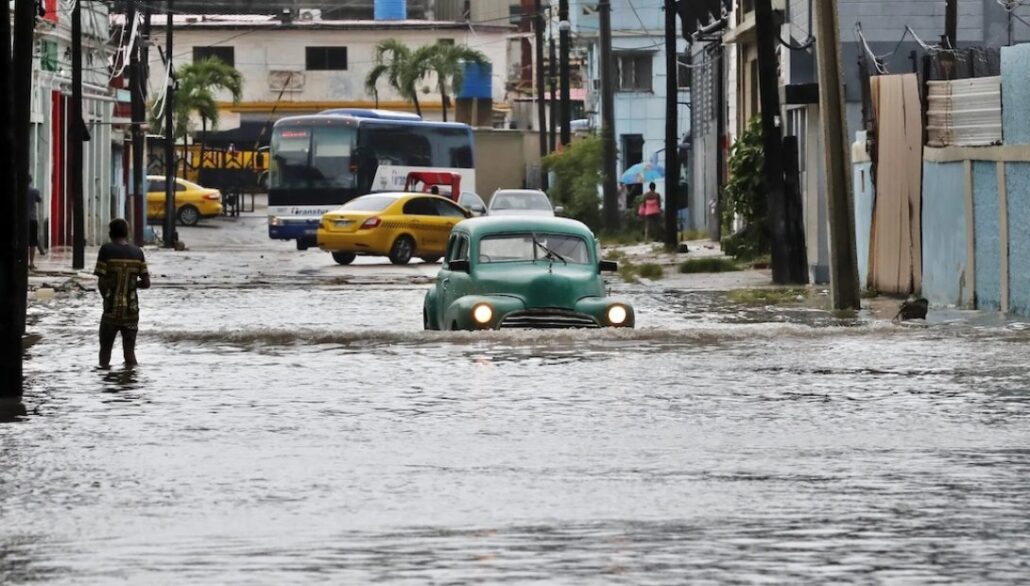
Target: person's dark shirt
point(120, 268)
point(34, 200)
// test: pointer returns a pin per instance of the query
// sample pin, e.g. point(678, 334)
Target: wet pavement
point(292, 423)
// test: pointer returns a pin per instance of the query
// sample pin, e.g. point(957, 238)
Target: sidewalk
point(654, 253)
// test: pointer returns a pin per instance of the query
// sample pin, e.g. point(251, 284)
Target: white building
point(307, 64)
point(50, 132)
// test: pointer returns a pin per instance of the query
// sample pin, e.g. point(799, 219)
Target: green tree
point(197, 84)
point(744, 196)
point(447, 61)
point(403, 71)
point(577, 169)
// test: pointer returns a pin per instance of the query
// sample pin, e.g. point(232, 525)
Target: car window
point(180, 186)
point(451, 248)
point(470, 200)
point(448, 209)
point(156, 186)
point(527, 246)
point(457, 248)
point(369, 203)
point(421, 206)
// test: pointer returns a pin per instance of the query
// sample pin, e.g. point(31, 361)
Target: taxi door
point(420, 219)
point(448, 214)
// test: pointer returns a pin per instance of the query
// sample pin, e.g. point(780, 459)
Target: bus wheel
point(402, 250)
point(344, 258)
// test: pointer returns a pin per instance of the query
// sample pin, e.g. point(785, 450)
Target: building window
point(634, 71)
point(326, 59)
point(683, 73)
point(226, 55)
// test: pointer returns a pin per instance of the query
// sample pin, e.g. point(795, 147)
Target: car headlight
point(617, 315)
point(275, 221)
point(482, 313)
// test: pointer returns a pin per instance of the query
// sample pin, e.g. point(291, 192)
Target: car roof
point(521, 192)
point(477, 227)
point(403, 195)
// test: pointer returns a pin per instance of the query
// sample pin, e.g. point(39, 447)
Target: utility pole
point(611, 202)
point(541, 86)
point(563, 51)
point(24, 28)
point(951, 24)
point(169, 124)
point(672, 159)
point(552, 141)
point(11, 289)
point(137, 90)
point(78, 136)
point(843, 260)
point(786, 267)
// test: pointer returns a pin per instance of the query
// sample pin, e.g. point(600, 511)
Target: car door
point(420, 217)
point(156, 198)
point(454, 285)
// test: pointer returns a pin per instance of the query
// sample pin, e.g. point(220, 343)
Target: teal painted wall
point(1018, 184)
point(987, 235)
point(944, 229)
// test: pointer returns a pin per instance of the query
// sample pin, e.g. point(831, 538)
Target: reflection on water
point(298, 436)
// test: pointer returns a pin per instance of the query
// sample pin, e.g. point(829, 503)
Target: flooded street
point(291, 422)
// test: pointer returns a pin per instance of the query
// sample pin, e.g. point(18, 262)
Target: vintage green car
point(522, 272)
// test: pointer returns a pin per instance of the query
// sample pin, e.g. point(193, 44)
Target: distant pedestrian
point(34, 201)
point(121, 269)
point(434, 190)
point(651, 211)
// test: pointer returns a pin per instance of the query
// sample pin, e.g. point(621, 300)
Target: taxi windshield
point(527, 246)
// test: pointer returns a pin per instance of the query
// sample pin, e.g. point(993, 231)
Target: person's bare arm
point(144, 281)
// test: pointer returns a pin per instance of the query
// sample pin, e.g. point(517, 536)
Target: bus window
point(331, 157)
point(453, 147)
point(312, 157)
point(398, 145)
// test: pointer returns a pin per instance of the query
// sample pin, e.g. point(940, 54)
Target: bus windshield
point(312, 157)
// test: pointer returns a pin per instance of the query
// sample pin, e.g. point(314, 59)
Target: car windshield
point(368, 203)
point(520, 200)
point(533, 246)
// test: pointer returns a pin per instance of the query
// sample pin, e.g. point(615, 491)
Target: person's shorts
point(33, 233)
point(108, 332)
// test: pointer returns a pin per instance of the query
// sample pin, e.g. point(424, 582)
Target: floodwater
point(308, 431)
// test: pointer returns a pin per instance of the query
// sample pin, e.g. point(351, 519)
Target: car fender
point(429, 307)
point(598, 307)
point(460, 311)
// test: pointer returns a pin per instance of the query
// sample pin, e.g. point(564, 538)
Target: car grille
point(548, 319)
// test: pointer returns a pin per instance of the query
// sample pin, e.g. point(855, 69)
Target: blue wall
point(1018, 184)
point(944, 229)
point(1015, 93)
point(987, 235)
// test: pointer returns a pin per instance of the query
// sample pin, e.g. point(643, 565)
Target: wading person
point(651, 211)
point(34, 200)
point(121, 269)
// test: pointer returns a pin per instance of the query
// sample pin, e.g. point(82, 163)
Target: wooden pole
point(672, 159)
point(169, 124)
point(541, 85)
point(76, 136)
point(564, 48)
point(844, 287)
point(611, 202)
point(11, 289)
point(24, 25)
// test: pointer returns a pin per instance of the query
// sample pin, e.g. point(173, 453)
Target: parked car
point(522, 202)
point(396, 225)
point(192, 201)
point(523, 272)
point(472, 202)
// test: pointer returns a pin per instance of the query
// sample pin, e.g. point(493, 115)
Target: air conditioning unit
point(289, 81)
point(309, 14)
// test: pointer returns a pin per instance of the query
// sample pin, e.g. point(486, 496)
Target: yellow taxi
point(396, 225)
point(192, 202)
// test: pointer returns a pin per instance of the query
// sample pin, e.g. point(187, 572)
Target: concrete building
point(638, 45)
point(50, 132)
point(307, 63)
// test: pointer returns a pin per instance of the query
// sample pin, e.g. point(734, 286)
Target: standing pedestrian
point(651, 211)
point(34, 200)
point(121, 269)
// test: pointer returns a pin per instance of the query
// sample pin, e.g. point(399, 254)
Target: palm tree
point(197, 84)
point(447, 61)
point(396, 61)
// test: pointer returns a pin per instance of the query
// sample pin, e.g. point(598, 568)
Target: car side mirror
point(559, 210)
point(608, 266)
point(461, 266)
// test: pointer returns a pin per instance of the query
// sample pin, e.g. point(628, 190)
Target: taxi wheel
point(344, 258)
point(189, 215)
point(430, 259)
point(402, 250)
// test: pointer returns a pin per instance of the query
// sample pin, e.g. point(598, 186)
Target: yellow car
point(396, 225)
point(192, 202)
